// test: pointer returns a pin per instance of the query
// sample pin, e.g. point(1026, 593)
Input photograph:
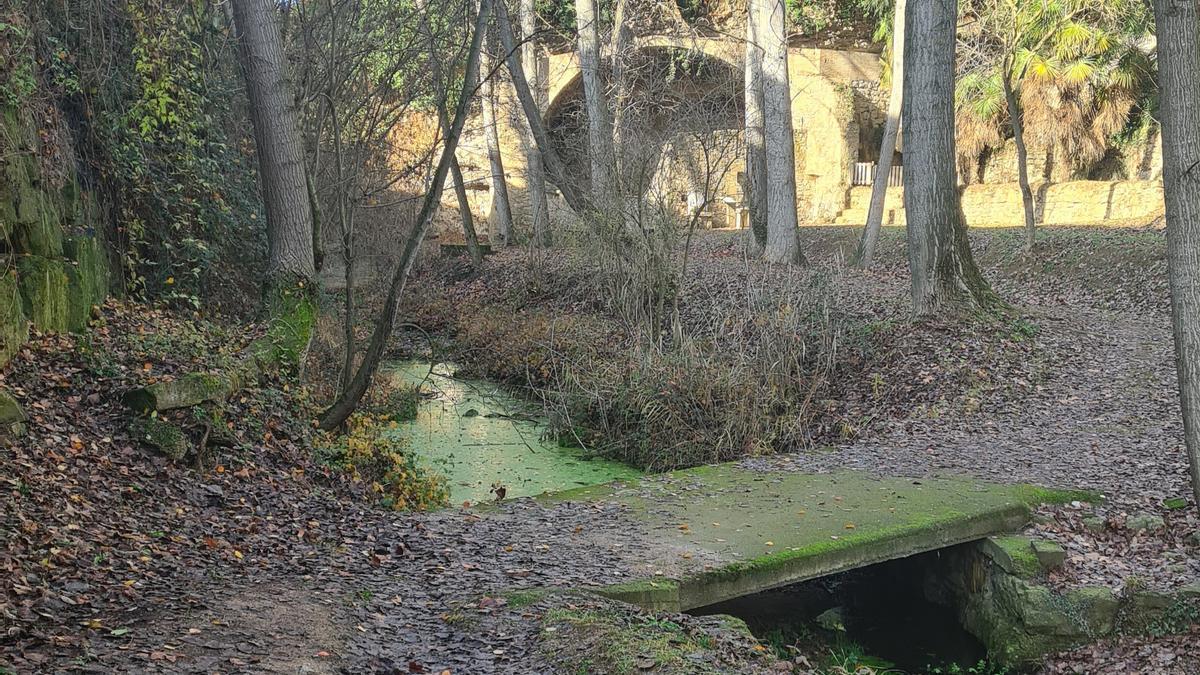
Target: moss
point(525, 598)
point(87, 279)
point(1015, 555)
point(1034, 495)
point(162, 435)
point(43, 285)
point(10, 410)
point(653, 594)
point(189, 390)
point(293, 313)
point(14, 325)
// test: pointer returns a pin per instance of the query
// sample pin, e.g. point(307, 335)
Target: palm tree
point(1064, 72)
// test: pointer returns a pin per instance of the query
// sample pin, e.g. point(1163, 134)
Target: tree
point(460, 187)
point(577, 199)
point(280, 153)
point(943, 270)
point(535, 173)
point(887, 148)
point(349, 398)
point(1178, 28)
point(783, 233)
point(500, 202)
point(600, 149)
point(755, 186)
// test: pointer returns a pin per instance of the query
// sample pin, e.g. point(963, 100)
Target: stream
point(478, 435)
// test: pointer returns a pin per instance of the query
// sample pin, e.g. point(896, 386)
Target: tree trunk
point(783, 234)
point(887, 149)
point(756, 147)
point(1178, 24)
point(500, 203)
point(470, 237)
point(599, 132)
point(943, 270)
point(535, 174)
point(280, 153)
point(619, 50)
point(1016, 115)
point(345, 404)
point(576, 198)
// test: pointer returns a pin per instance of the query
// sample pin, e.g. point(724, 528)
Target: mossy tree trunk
point(1178, 23)
point(944, 274)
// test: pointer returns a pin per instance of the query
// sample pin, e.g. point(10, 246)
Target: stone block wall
point(55, 268)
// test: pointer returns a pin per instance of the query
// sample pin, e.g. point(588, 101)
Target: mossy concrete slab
point(745, 531)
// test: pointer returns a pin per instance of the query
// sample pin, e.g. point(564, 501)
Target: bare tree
point(783, 234)
point(500, 202)
point(887, 149)
point(944, 273)
point(1178, 28)
point(600, 150)
point(755, 185)
point(579, 201)
point(280, 153)
point(460, 187)
point(535, 174)
point(349, 398)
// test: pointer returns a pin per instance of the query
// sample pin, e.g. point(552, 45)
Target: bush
point(369, 453)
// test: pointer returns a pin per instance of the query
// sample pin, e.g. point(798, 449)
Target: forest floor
point(261, 560)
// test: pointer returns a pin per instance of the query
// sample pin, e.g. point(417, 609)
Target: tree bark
point(276, 135)
point(1178, 28)
point(535, 174)
point(1016, 116)
point(756, 146)
point(470, 237)
point(944, 274)
point(783, 233)
point(576, 198)
point(499, 184)
point(600, 151)
point(887, 149)
point(345, 404)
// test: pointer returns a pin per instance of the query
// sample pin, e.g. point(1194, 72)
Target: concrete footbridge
point(727, 531)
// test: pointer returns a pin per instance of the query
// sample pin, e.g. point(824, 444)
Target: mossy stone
point(10, 410)
point(164, 436)
point(43, 284)
point(1014, 555)
point(87, 279)
point(1050, 555)
point(1095, 607)
point(14, 325)
point(189, 390)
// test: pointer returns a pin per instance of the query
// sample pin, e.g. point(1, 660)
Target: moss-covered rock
point(87, 278)
point(39, 233)
point(10, 410)
point(14, 325)
point(189, 390)
point(1014, 555)
point(43, 284)
point(162, 435)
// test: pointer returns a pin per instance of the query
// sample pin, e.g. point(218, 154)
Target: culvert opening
point(887, 617)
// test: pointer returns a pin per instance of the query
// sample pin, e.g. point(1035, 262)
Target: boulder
point(1050, 555)
point(1145, 522)
point(164, 436)
point(189, 390)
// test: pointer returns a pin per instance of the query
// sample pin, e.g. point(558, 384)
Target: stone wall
point(55, 266)
point(1132, 203)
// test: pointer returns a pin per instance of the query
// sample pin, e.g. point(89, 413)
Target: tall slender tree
point(499, 184)
point(944, 274)
point(600, 150)
point(755, 184)
point(783, 233)
point(1178, 28)
point(277, 137)
point(887, 148)
point(535, 173)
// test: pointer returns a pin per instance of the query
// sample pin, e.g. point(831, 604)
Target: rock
point(43, 284)
point(10, 410)
point(1013, 555)
point(189, 390)
point(1145, 522)
point(14, 324)
point(1191, 591)
point(1096, 607)
point(1050, 555)
point(1094, 524)
point(164, 436)
point(832, 619)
